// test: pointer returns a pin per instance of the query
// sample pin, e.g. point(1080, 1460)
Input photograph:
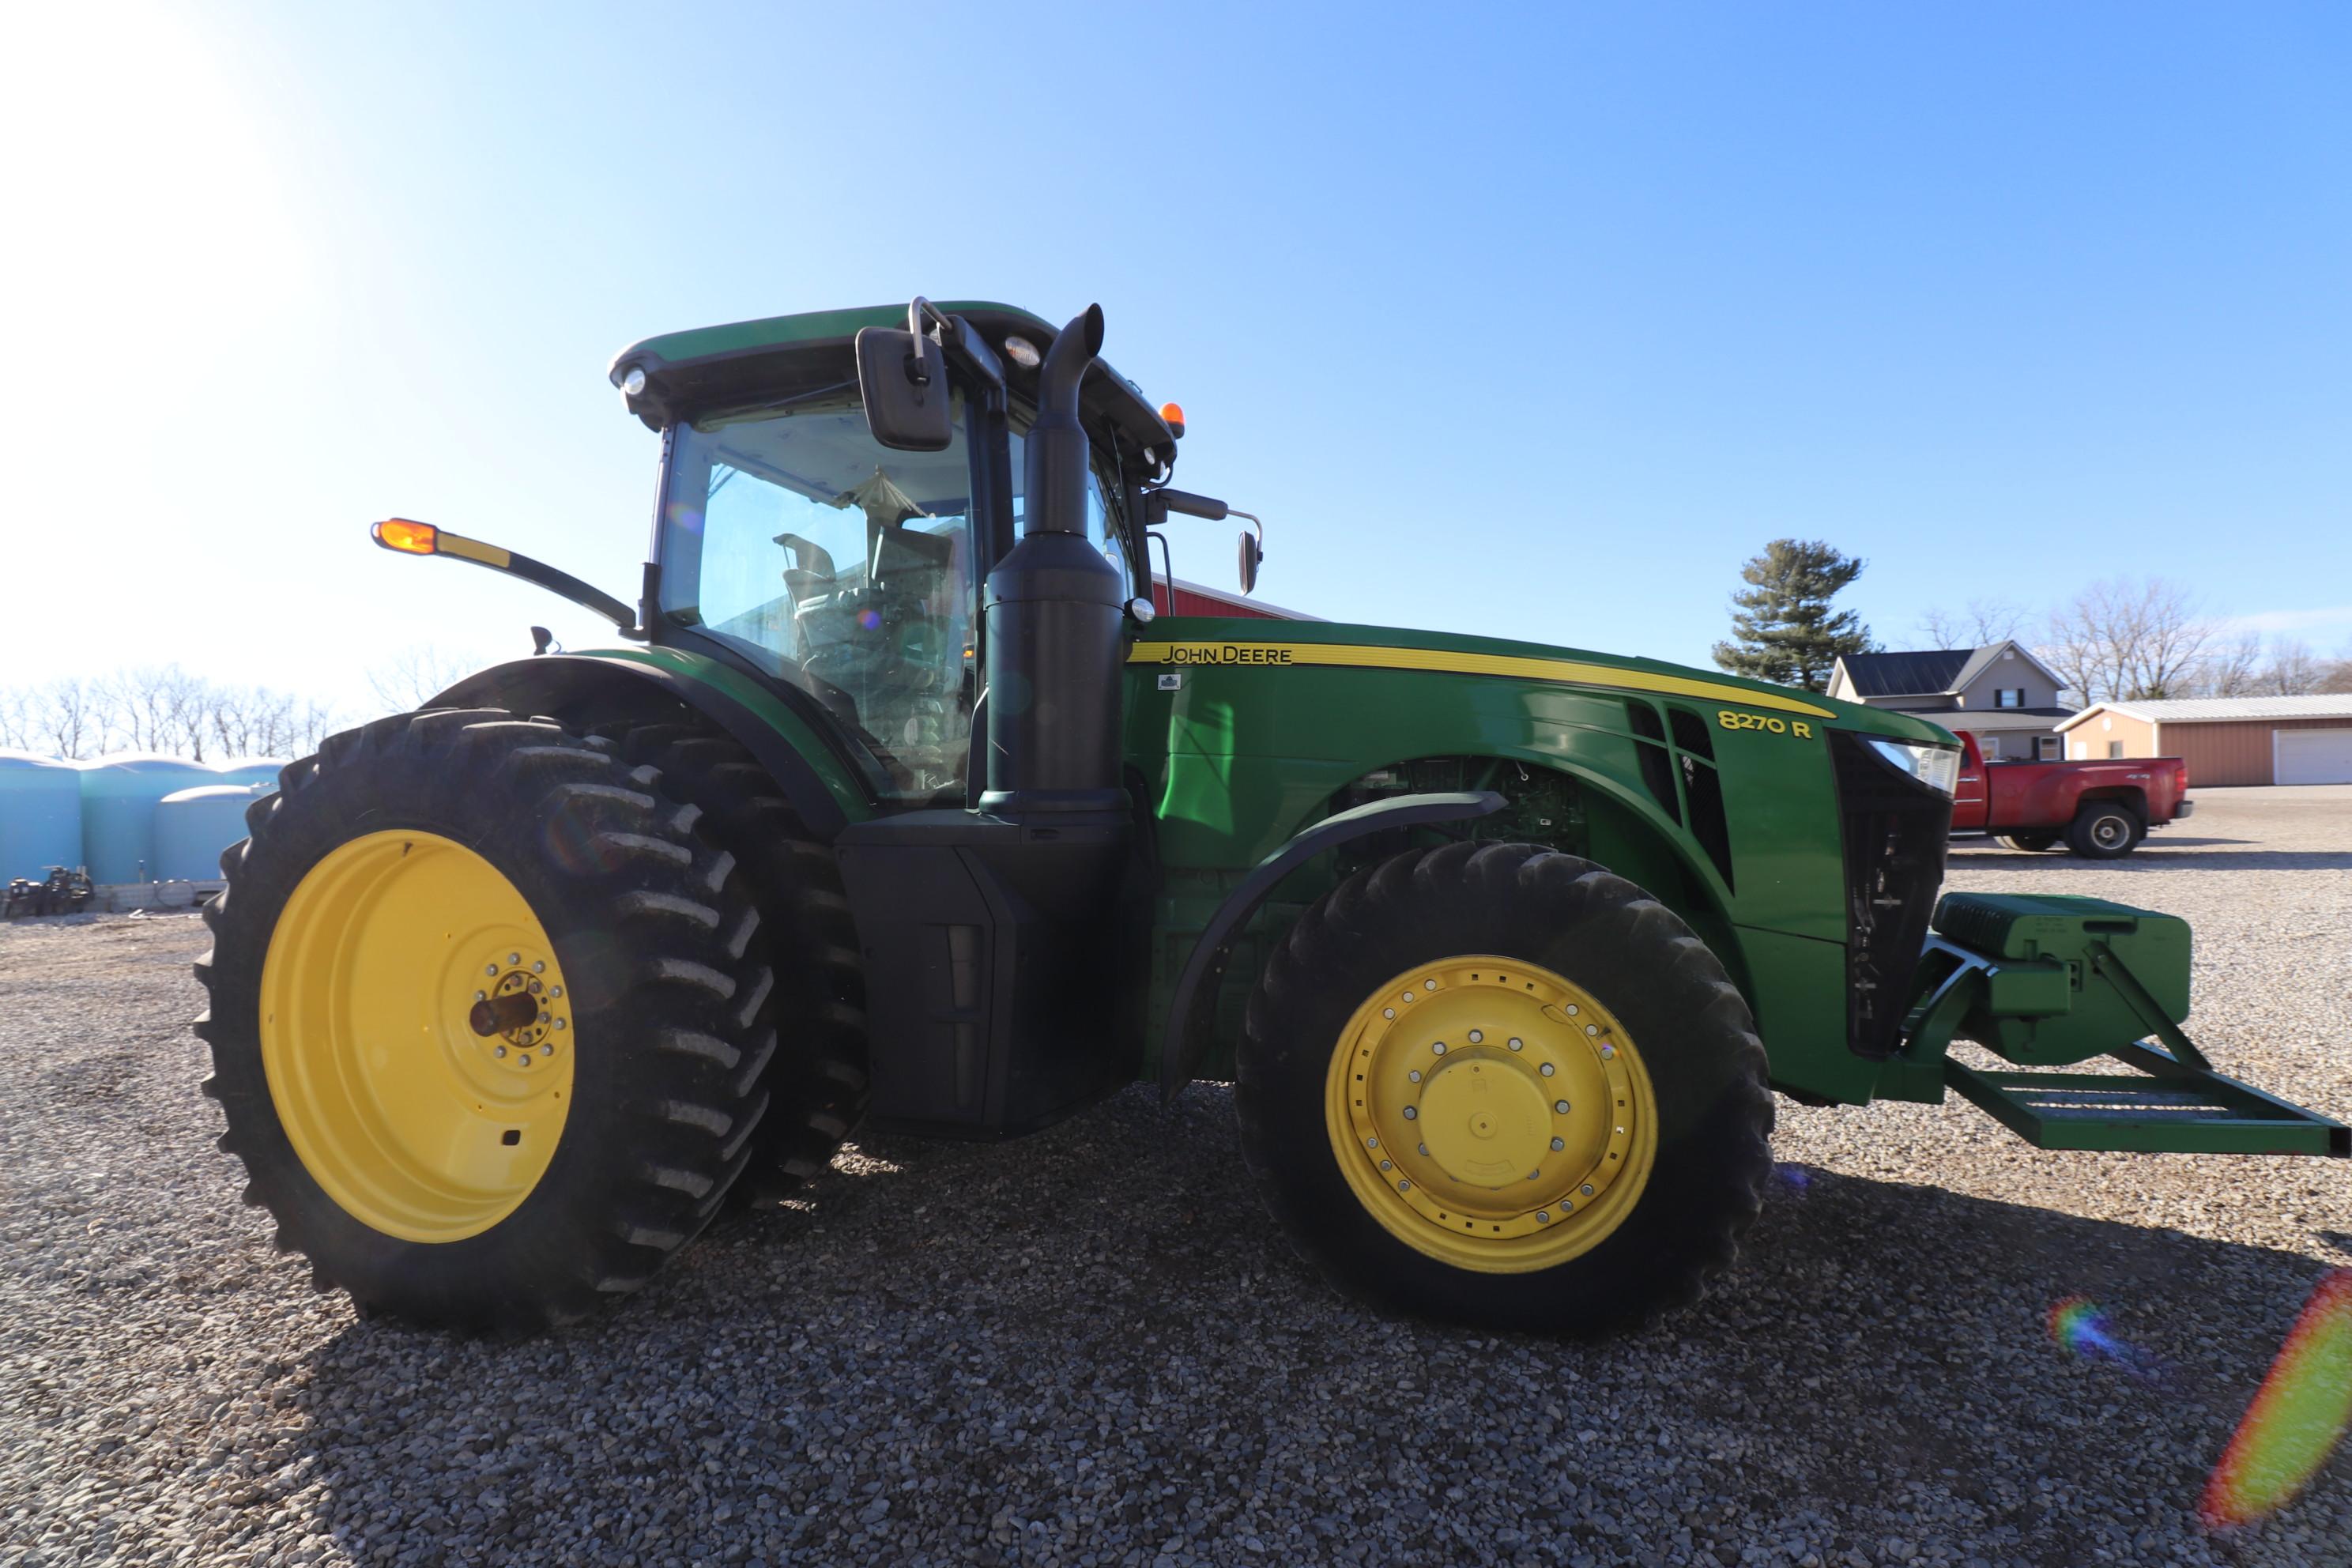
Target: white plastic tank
point(40, 815)
point(193, 825)
point(118, 811)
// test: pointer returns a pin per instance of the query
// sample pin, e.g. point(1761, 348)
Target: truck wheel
point(2104, 830)
point(486, 1018)
point(817, 1083)
point(1499, 1085)
point(2029, 843)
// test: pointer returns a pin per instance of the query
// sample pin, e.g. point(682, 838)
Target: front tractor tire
point(488, 1018)
point(1498, 1085)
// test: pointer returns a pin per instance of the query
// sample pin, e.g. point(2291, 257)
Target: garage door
point(2314, 756)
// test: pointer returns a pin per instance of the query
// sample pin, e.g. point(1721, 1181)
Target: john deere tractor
point(895, 803)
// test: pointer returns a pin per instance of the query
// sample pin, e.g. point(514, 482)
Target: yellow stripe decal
point(466, 549)
point(1568, 671)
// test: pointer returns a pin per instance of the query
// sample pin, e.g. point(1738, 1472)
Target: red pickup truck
point(2101, 809)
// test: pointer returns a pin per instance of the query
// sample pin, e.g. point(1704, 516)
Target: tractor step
point(2168, 1107)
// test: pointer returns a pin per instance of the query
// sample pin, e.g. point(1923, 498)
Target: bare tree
point(2125, 639)
point(2336, 674)
point(1983, 623)
point(19, 724)
point(2232, 668)
point(415, 675)
point(162, 708)
point(2292, 670)
point(70, 717)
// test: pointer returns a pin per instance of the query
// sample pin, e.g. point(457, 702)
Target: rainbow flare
point(2077, 1325)
point(2296, 1417)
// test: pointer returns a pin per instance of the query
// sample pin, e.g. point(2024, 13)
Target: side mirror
point(902, 377)
point(1252, 553)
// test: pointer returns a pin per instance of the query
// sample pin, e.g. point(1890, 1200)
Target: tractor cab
point(805, 537)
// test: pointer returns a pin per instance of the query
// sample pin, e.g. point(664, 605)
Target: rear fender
point(2136, 800)
point(653, 684)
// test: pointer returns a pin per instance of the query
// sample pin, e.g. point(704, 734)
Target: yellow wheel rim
point(1491, 1114)
point(416, 1123)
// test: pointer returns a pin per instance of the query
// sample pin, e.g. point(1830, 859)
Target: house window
point(2009, 696)
point(2046, 748)
point(2115, 749)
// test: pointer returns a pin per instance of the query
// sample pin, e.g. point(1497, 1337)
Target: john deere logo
point(1226, 653)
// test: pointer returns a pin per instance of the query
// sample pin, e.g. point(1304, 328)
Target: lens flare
point(869, 620)
point(2078, 1327)
point(1796, 1178)
point(2296, 1418)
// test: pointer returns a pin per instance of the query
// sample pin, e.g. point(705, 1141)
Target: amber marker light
point(408, 538)
point(1172, 415)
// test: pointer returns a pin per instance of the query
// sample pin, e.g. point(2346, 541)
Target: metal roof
point(1930, 673)
point(2220, 710)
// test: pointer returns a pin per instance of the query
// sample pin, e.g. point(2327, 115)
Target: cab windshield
point(829, 560)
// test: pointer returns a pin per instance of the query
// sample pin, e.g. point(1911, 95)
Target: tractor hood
point(1204, 641)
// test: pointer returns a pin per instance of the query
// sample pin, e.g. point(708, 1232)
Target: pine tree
point(1782, 628)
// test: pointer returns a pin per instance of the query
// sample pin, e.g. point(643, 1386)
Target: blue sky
point(1530, 322)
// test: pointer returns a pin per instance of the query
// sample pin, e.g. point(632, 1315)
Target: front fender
point(1193, 1009)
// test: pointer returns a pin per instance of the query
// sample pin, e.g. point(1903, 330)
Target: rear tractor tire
point(817, 1082)
point(488, 1019)
point(1502, 1086)
point(2031, 843)
point(2104, 830)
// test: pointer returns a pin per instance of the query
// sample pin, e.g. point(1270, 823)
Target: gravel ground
point(1089, 1347)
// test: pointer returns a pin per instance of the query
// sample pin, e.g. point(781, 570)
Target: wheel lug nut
point(557, 992)
point(1545, 1068)
point(1533, 1174)
point(490, 969)
point(1517, 1044)
point(1476, 1036)
point(1387, 1166)
point(559, 1023)
point(1439, 1049)
point(481, 995)
point(1558, 1144)
point(1410, 1113)
point(1405, 1187)
point(1586, 1189)
point(502, 1050)
point(1414, 1075)
point(514, 958)
point(1560, 1106)
point(1543, 1216)
point(547, 1050)
point(537, 967)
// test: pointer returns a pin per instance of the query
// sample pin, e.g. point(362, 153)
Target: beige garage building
point(2224, 740)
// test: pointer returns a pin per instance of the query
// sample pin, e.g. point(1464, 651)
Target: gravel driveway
point(1090, 1347)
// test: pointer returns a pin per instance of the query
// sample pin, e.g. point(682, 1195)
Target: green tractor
point(895, 804)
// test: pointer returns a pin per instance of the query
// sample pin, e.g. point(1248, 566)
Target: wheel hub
point(417, 1035)
point(1489, 1110)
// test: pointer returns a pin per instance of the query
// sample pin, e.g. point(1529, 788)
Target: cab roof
point(708, 367)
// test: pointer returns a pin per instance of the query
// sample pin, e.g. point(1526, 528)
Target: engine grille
point(1895, 831)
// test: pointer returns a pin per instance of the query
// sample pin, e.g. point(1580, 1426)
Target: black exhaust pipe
point(1053, 605)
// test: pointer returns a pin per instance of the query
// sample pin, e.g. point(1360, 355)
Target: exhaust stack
point(1053, 605)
